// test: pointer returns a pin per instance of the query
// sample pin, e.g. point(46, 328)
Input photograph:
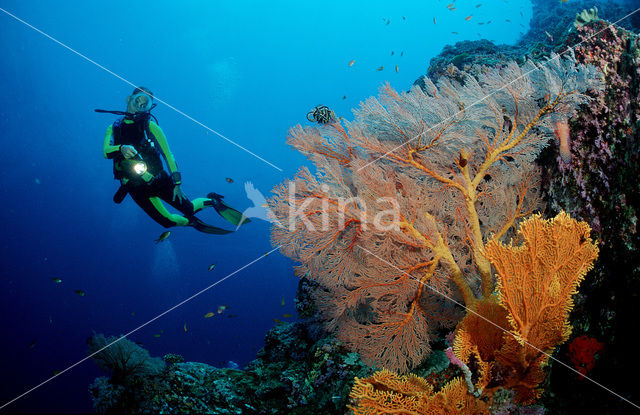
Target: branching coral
point(586, 16)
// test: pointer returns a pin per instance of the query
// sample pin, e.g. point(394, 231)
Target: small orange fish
point(450, 5)
point(478, 5)
point(455, 33)
point(229, 180)
point(563, 1)
point(562, 134)
point(396, 68)
point(351, 62)
point(286, 315)
point(185, 327)
point(380, 68)
point(209, 315)
point(468, 18)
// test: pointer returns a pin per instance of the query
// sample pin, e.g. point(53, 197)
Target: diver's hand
point(177, 193)
point(128, 151)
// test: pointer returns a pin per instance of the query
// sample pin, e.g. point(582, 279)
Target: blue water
point(248, 70)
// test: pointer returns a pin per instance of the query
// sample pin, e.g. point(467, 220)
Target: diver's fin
point(203, 227)
point(227, 212)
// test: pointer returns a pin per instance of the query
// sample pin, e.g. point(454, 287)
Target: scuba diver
point(138, 148)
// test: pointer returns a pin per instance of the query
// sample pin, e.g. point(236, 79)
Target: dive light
point(135, 168)
point(140, 167)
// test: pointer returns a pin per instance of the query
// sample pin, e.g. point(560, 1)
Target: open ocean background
point(249, 70)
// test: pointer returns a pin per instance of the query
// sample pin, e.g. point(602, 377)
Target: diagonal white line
point(506, 331)
point(138, 328)
point(135, 86)
point(571, 48)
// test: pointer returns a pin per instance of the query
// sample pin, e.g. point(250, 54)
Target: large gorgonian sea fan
point(407, 195)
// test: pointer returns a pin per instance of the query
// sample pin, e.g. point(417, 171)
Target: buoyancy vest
point(138, 135)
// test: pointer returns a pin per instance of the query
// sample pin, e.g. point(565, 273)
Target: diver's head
point(140, 100)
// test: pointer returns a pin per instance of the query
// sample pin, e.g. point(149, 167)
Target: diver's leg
point(157, 211)
point(201, 203)
point(177, 220)
point(163, 188)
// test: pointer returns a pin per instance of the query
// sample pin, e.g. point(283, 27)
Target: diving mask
point(142, 102)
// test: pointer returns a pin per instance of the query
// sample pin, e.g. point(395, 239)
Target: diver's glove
point(128, 151)
point(177, 193)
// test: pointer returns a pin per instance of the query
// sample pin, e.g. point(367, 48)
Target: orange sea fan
point(537, 279)
point(535, 283)
point(479, 336)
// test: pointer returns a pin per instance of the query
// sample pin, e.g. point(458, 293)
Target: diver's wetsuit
point(148, 189)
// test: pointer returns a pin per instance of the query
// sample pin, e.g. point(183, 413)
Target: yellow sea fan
point(386, 392)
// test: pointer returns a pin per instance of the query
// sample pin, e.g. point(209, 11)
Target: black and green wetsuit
point(157, 183)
